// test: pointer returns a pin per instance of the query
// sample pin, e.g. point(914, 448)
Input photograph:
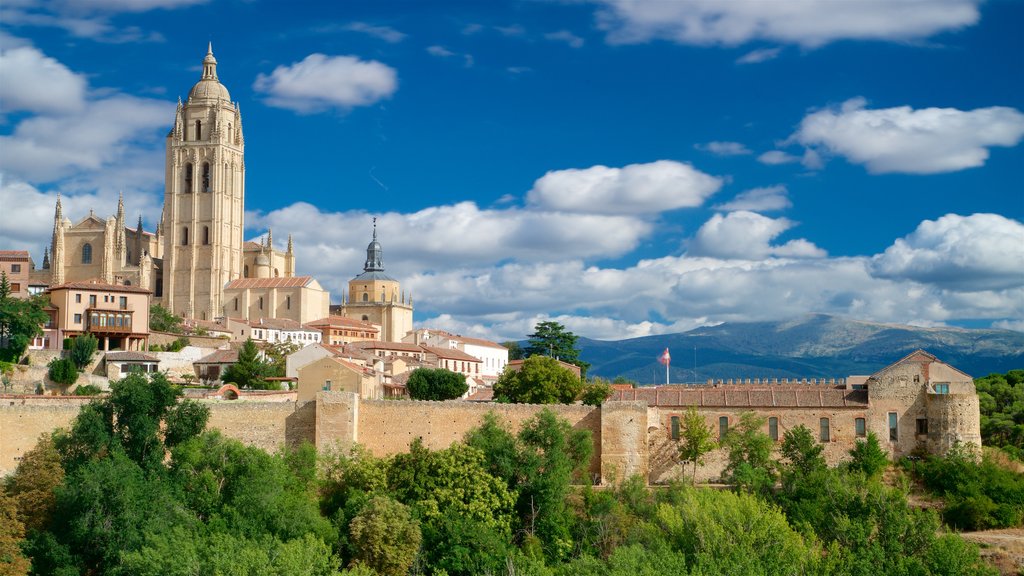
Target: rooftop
point(293, 282)
point(745, 397)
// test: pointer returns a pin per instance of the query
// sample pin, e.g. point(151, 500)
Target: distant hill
point(812, 346)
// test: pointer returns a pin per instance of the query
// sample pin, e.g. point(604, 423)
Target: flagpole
point(666, 372)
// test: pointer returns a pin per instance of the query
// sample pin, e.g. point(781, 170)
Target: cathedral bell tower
point(203, 198)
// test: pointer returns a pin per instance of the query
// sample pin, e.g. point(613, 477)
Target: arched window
point(230, 135)
point(188, 178)
point(276, 273)
point(184, 236)
point(236, 304)
point(206, 176)
point(261, 302)
point(86, 253)
point(127, 282)
point(245, 274)
point(366, 297)
point(366, 318)
point(199, 129)
point(288, 302)
point(206, 235)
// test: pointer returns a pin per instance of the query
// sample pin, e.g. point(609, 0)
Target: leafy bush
point(436, 384)
point(63, 371)
point(82, 350)
point(88, 390)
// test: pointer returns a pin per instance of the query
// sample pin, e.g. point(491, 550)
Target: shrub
point(88, 390)
point(436, 384)
point(63, 371)
point(82, 350)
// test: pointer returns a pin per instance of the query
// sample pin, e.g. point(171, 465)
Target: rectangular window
point(78, 298)
point(773, 428)
point(723, 426)
point(15, 287)
point(123, 302)
point(922, 426)
point(894, 430)
point(15, 268)
point(675, 427)
point(860, 427)
point(92, 300)
point(942, 387)
point(824, 436)
point(327, 385)
point(78, 318)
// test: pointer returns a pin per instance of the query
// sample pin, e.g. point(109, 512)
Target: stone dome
point(209, 87)
point(262, 260)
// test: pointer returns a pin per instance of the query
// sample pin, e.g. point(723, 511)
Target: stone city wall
point(23, 419)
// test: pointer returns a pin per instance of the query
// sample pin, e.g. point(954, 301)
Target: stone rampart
point(23, 419)
point(952, 419)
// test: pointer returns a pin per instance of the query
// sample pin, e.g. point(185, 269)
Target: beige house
point(117, 315)
point(453, 359)
point(337, 375)
point(273, 331)
point(16, 264)
point(299, 298)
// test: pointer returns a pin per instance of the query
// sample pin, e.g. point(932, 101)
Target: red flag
point(665, 358)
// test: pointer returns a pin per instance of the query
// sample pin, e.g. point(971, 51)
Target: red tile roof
point(401, 346)
point(292, 282)
point(336, 321)
point(229, 356)
point(745, 397)
point(101, 286)
point(451, 354)
point(14, 255)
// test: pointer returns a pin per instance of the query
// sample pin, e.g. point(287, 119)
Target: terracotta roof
point(229, 356)
point(745, 397)
point(14, 255)
point(345, 321)
point(130, 356)
point(451, 354)
point(375, 345)
point(479, 342)
point(277, 324)
point(250, 245)
point(101, 286)
point(482, 395)
point(292, 282)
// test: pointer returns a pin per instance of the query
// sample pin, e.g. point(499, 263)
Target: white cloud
point(565, 36)
point(104, 133)
point(809, 23)
point(745, 235)
point(35, 82)
point(512, 30)
point(89, 18)
point(759, 200)
point(759, 55)
point(634, 189)
point(724, 148)
point(776, 157)
point(439, 51)
point(967, 253)
point(1015, 325)
point(385, 33)
point(321, 82)
point(925, 141)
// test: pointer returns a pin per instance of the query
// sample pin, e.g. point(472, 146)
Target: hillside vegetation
point(138, 486)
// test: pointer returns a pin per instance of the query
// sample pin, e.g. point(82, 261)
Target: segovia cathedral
point(196, 263)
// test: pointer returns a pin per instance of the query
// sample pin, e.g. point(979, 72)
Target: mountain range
point(811, 346)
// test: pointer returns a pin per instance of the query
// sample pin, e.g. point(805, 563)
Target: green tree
point(697, 439)
point(82, 349)
point(277, 357)
point(386, 537)
point(162, 320)
point(33, 482)
point(868, 456)
point(552, 452)
point(751, 467)
point(595, 392)
point(12, 536)
point(553, 340)
point(250, 371)
point(802, 451)
point(515, 351)
point(21, 320)
point(436, 384)
point(540, 380)
point(63, 371)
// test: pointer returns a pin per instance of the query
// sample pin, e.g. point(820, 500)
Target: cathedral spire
point(270, 239)
point(209, 64)
point(374, 263)
point(291, 246)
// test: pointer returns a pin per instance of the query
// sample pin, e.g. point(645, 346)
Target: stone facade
point(377, 298)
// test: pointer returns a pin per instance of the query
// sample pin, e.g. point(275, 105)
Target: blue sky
point(626, 167)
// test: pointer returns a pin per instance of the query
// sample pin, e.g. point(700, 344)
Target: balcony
point(109, 322)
